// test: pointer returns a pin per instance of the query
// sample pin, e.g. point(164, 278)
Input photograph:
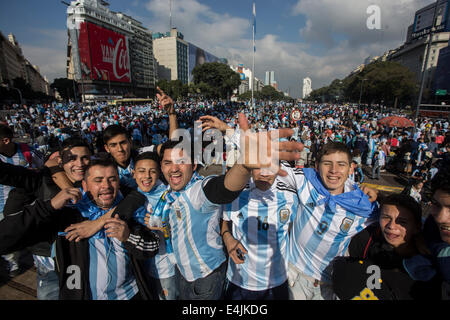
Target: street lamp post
point(20, 95)
point(422, 81)
point(83, 98)
point(360, 92)
point(109, 86)
point(73, 84)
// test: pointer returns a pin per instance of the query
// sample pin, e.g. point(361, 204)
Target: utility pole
point(78, 51)
point(424, 68)
point(360, 92)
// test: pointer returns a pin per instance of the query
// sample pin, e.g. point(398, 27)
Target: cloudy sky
point(320, 39)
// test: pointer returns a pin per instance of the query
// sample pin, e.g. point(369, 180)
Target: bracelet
point(225, 232)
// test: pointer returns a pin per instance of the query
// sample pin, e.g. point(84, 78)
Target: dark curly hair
point(441, 180)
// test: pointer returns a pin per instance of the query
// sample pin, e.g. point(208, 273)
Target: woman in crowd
point(382, 257)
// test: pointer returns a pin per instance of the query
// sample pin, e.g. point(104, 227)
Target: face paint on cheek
point(67, 156)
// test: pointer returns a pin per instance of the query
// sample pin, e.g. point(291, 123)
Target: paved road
point(388, 182)
point(21, 287)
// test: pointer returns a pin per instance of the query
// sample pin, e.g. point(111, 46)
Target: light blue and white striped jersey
point(160, 266)
point(46, 264)
point(17, 159)
point(260, 221)
point(126, 175)
point(110, 272)
point(318, 235)
point(195, 232)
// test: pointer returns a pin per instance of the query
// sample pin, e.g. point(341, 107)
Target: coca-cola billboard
point(103, 53)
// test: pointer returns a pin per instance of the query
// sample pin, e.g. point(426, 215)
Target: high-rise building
point(171, 54)
point(442, 80)
point(141, 54)
point(11, 59)
point(270, 78)
point(177, 57)
point(14, 65)
point(307, 88)
point(110, 54)
point(413, 52)
point(246, 78)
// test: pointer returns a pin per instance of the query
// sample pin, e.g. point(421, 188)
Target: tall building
point(12, 62)
point(246, 78)
point(307, 88)
point(141, 54)
point(270, 78)
point(110, 54)
point(176, 57)
point(412, 54)
point(171, 54)
point(14, 65)
point(442, 79)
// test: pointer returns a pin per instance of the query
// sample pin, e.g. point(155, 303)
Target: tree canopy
point(65, 88)
point(380, 82)
point(215, 80)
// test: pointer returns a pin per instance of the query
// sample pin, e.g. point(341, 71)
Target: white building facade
point(307, 87)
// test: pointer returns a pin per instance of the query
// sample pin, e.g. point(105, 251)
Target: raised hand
point(264, 150)
point(165, 101)
point(211, 122)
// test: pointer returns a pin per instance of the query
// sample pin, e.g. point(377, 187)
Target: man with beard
point(103, 266)
point(74, 157)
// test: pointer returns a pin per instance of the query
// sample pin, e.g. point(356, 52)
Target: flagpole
point(254, 49)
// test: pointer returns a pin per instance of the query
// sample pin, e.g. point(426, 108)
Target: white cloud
point(49, 54)
point(330, 20)
point(201, 25)
point(338, 26)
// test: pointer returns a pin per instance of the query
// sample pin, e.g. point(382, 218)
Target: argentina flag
point(254, 26)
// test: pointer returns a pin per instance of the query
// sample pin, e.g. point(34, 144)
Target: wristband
point(225, 232)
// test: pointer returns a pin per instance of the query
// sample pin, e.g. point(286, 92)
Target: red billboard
point(103, 54)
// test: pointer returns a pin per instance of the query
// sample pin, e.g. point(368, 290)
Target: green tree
point(65, 87)
point(175, 88)
point(385, 83)
point(215, 80)
point(380, 82)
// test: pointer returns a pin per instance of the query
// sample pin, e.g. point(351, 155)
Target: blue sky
point(321, 39)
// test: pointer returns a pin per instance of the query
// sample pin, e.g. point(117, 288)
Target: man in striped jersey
point(17, 154)
point(259, 220)
point(331, 211)
point(194, 205)
point(101, 267)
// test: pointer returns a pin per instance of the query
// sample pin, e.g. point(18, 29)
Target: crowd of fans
point(309, 233)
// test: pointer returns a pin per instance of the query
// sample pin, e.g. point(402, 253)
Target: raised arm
point(35, 223)
point(59, 176)
point(167, 103)
point(260, 150)
point(224, 189)
point(20, 177)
